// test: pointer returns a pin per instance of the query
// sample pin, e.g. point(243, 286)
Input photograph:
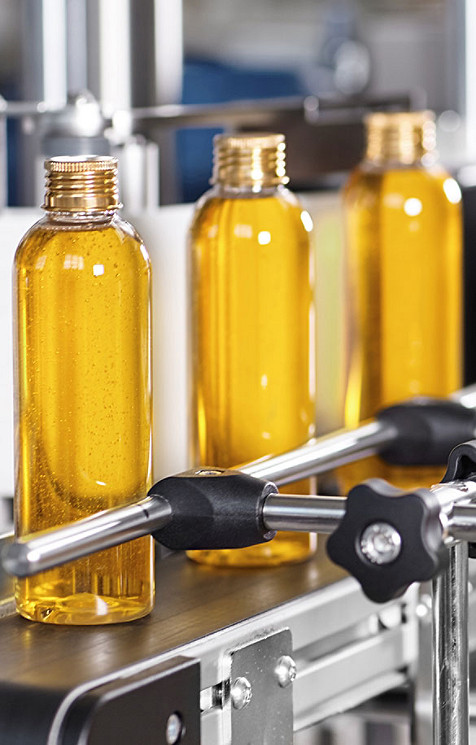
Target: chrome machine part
point(323, 453)
point(25, 557)
point(295, 512)
point(241, 693)
point(261, 707)
point(465, 396)
point(285, 671)
point(450, 651)
point(380, 543)
point(109, 528)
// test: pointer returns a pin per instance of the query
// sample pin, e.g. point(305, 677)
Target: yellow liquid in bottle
point(404, 237)
point(253, 342)
point(83, 419)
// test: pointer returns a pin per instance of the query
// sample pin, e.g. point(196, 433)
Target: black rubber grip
point(427, 430)
point(214, 509)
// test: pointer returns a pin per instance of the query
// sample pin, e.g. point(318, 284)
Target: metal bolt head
point(241, 693)
point(380, 543)
point(209, 472)
point(174, 729)
point(285, 671)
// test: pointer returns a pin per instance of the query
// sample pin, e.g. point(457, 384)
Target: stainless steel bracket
point(260, 700)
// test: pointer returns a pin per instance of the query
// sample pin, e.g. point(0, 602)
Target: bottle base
point(286, 548)
point(84, 609)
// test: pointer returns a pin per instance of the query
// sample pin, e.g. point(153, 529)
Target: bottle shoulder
point(369, 183)
point(50, 237)
point(216, 205)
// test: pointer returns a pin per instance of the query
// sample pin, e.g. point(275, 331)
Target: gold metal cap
point(401, 137)
point(85, 183)
point(254, 160)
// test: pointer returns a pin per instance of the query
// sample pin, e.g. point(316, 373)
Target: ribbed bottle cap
point(85, 183)
point(253, 160)
point(400, 137)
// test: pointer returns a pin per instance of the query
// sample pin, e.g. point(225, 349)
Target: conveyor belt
point(192, 602)
point(346, 648)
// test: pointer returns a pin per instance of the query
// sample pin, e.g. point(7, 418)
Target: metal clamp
point(261, 673)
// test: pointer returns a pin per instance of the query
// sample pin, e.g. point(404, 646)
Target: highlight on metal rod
point(323, 453)
point(45, 550)
point(330, 451)
point(450, 651)
point(295, 512)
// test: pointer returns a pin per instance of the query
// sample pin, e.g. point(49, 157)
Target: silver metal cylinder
point(323, 453)
point(465, 396)
point(45, 550)
point(462, 523)
point(295, 512)
point(450, 651)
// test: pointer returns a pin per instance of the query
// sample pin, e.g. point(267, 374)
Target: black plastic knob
point(213, 508)
point(402, 530)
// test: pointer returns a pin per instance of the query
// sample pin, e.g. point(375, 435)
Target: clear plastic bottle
point(252, 324)
point(83, 391)
point(403, 222)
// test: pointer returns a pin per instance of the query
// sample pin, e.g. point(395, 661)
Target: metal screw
point(380, 543)
point(241, 693)
point(174, 729)
point(285, 671)
point(209, 472)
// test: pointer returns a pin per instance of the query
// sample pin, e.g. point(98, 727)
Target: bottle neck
point(81, 218)
point(230, 191)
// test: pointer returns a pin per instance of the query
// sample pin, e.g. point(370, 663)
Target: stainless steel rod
point(295, 512)
point(450, 493)
point(323, 453)
point(462, 523)
point(27, 556)
point(465, 396)
point(323, 514)
point(42, 551)
point(320, 514)
point(450, 651)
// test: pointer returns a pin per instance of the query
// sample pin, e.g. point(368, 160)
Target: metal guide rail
point(386, 538)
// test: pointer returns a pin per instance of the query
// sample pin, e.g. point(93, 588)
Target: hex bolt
point(380, 543)
point(285, 671)
point(241, 693)
point(174, 729)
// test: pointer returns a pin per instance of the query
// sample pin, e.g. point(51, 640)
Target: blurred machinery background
point(152, 81)
point(161, 52)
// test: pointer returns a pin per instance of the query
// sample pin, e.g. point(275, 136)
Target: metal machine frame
point(357, 650)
